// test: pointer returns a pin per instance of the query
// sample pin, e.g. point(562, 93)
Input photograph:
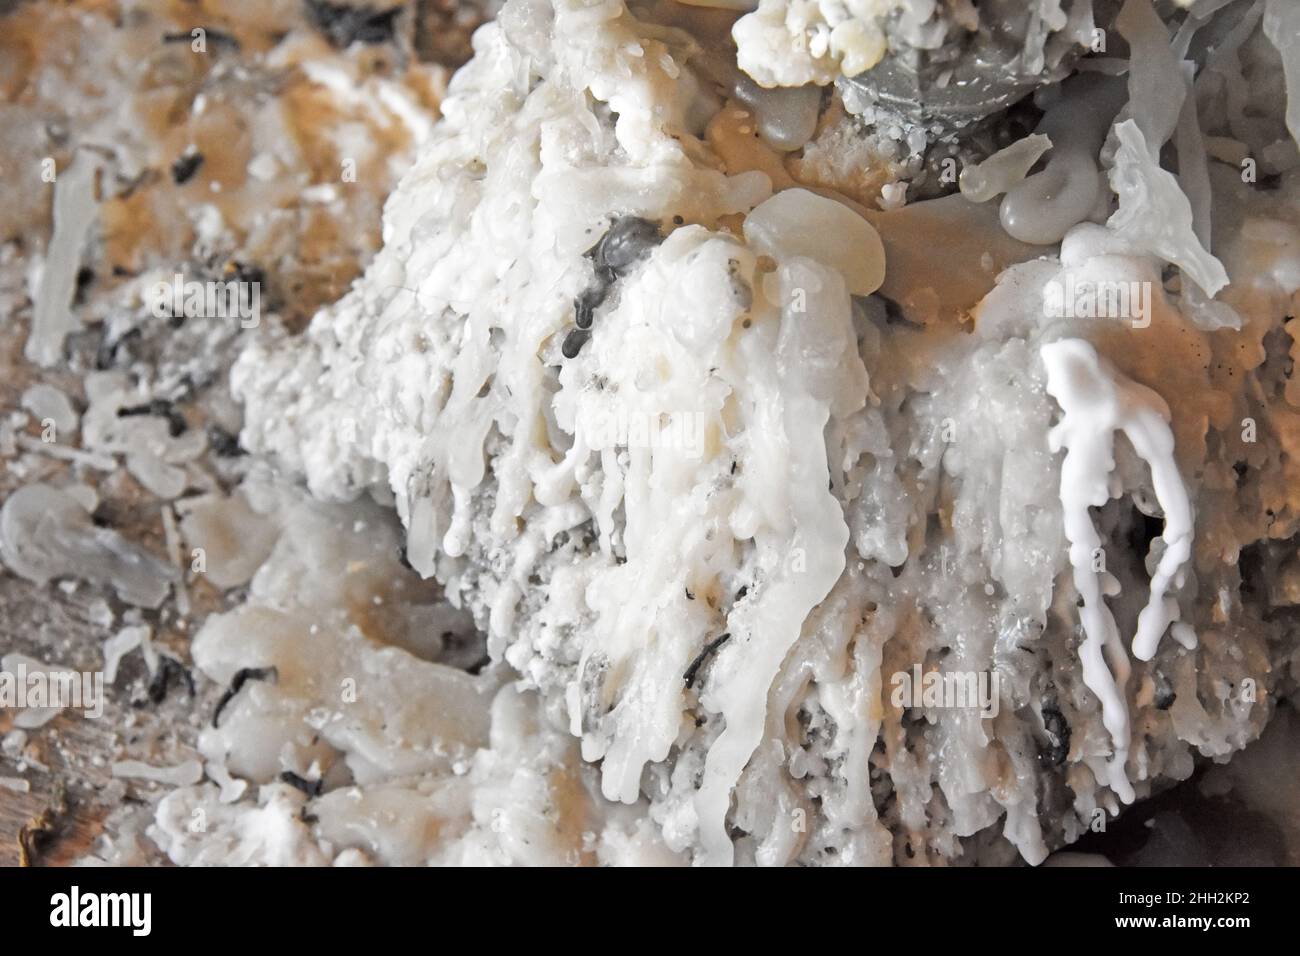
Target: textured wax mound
point(791, 42)
point(711, 498)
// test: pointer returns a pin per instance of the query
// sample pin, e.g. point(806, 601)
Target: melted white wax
point(1098, 401)
point(443, 356)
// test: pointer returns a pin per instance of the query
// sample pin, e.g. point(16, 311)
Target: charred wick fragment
point(710, 649)
point(223, 443)
point(85, 279)
point(1164, 692)
point(627, 241)
point(312, 788)
point(169, 671)
point(244, 272)
point(162, 408)
point(1058, 735)
point(586, 304)
point(573, 342)
point(345, 24)
point(186, 165)
point(106, 356)
point(242, 677)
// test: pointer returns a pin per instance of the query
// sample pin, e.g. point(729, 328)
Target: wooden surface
point(75, 795)
point(39, 625)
